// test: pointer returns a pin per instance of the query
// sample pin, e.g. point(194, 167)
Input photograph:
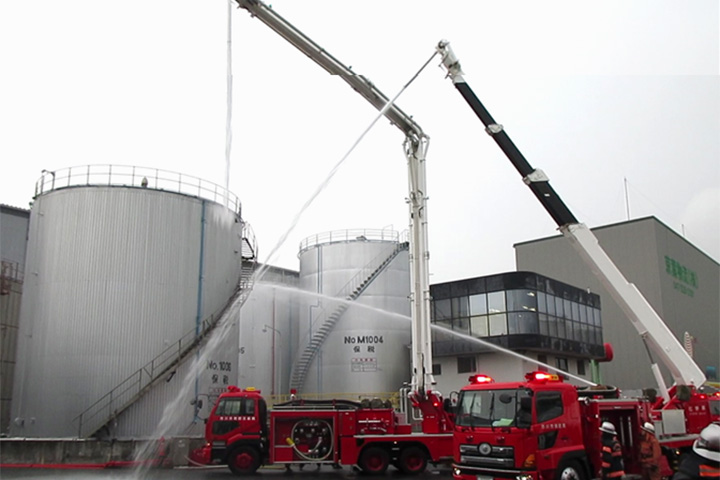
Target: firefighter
point(649, 453)
point(612, 460)
point(703, 461)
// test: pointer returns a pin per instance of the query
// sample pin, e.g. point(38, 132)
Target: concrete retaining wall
point(95, 453)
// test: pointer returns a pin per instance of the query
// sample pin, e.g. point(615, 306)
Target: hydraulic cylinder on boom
point(658, 338)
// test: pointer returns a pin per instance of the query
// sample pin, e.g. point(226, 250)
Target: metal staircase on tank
point(101, 413)
point(350, 292)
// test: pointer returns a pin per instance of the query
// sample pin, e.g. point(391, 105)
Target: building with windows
point(551, 323)
point(680, 282)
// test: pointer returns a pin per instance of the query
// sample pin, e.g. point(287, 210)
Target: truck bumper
point(466, 472)
point(201, 456)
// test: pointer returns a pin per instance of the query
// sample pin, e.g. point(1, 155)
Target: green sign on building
point(686, 280)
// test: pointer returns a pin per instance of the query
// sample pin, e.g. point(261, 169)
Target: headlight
point(485, 449)
point(524, 477)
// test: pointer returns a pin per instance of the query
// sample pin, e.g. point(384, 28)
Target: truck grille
point(221, 427)
point(486, 455)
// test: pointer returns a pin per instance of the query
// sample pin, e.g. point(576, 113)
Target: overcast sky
point(592, 92)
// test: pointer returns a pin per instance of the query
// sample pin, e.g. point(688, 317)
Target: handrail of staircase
point(346, 290)
point(127, 391)
point(134, 386)
point(297, 376)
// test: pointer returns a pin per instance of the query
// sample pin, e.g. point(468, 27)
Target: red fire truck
point(244, 434)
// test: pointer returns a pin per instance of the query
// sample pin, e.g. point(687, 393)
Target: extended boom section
point(415, 145)
point(657, 336)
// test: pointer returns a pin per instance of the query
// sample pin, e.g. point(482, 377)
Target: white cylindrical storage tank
point(360, 346)
point(123, 267)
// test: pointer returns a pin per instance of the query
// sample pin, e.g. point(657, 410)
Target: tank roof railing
point(135, 177)
point(354, 235)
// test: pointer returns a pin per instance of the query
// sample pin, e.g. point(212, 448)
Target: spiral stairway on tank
point(163, 366)
point(350, 292)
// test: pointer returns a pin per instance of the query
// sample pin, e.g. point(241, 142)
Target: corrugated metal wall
point(112, 279)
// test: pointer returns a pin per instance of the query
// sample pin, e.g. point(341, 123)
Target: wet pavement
point(213, 473)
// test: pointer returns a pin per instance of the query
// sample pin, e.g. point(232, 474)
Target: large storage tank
point(123, 266)
point(360, 345)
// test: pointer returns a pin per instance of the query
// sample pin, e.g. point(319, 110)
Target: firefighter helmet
point(608, 427)
point(649, 427)
point(707, 444)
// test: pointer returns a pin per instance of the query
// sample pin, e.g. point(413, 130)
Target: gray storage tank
point(123, 266)
point(359, 344)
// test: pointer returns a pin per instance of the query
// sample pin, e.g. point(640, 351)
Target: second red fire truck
point(545, 429)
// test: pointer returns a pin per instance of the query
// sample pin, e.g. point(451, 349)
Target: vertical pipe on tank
point(198, 314)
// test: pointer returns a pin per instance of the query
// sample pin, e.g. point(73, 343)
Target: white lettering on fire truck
point(238, 418)
point(553, 426)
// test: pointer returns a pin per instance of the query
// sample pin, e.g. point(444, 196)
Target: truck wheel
point(413, 460)
point(570, 470)
point(244, 460)
point(374, 460)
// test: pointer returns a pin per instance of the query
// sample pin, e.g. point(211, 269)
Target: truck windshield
point(235, 406)
point(494, 408)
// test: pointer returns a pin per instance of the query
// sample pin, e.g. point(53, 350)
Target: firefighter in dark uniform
point(703, 461)
point(612, 460)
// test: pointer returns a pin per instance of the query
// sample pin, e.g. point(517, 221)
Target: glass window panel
point(479, 326)
point(460, 307)
point(560, 327)
point(442, 310)
point(552, 327)
point(543, 320)
point(462, 325)
point(577, 331)
point(584, 314)
point(542, 307)
point(559, 307)
point(596, 317)
point(498, 324)
point(496, 302)
point(575, 310)
point(562, 364)
point(567, 309)
point(521, 300)
point(522, 322)
point(585, 329)
point(478, 304)
point(550, 302)
point(466, 365)
point(447, 323)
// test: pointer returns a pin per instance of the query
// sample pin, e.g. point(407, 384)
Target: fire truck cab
point(541, 428)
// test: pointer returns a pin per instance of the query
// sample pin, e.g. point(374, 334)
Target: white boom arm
point(657, 336)
point(415, 146)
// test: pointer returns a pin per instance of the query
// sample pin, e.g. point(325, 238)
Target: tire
point(570, 470)
point(413, 460)
point(374, 460)
point(243, 460)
